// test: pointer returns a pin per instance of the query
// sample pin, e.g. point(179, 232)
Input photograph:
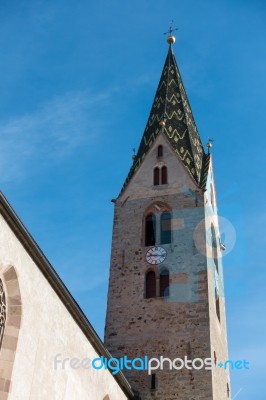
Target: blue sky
point(77, 83)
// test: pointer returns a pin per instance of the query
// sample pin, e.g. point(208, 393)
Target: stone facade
point(185, 323)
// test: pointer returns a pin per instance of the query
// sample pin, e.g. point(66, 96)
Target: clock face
point(156, 255)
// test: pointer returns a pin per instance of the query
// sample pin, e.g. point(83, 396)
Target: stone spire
point(172, 116)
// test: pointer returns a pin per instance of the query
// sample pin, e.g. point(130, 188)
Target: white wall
point(48, 329)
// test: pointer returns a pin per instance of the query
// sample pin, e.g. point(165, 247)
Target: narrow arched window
point(150, 285)
point(150, 230)
point(165, 228)
point(228, 390)
point(160, 151)
point(212, 195)
point(214, 248)
point(156, 176)
point(164, 283)
point(2, 312)
point(217, 303)
point(164, 175)
point(153, 382)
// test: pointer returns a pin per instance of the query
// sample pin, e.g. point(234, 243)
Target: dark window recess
point(164, 175)
point(153, 381)
point(214, 248)
point(165, 228)
point(150, 285)
point(217, 304)
point(156, 176)
point(150, 230)
point(212, 195)
point(164, 283)
point(160, 151)
point(228, 390)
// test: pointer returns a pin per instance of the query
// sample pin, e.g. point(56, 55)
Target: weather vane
point(171, 29)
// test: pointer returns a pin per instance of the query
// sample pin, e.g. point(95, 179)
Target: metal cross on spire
point(171, 29)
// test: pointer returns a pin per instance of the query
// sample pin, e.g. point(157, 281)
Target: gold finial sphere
point(162, 122)
point(134, 157)
point(171, 39)
point(209, 145)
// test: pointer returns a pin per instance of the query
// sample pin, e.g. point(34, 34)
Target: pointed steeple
point(171, 114)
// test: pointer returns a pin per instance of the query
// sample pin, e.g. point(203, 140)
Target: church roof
point(171, 114)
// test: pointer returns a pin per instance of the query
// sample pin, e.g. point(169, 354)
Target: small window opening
point(165, 228)
point(150, 230)
point(150, 289)
point(164, 175)
point(156, 176)
point(164, 283)
point(228, 390)
point(153, 381)
point(160, 151)
point(212, 195)
point(214, 248)
point(217, 304)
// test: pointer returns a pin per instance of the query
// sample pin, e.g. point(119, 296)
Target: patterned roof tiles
point(171, 105)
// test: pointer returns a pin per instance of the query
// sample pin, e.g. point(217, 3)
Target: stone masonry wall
point(172, 327)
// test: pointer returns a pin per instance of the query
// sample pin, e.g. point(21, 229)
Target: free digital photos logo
point(145, 363)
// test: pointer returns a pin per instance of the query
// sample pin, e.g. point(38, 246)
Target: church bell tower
point(166, 295)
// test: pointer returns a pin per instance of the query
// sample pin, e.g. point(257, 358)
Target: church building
point(165, 297)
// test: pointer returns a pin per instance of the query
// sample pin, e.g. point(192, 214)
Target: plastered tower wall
point(173, 327)
point(218, 332)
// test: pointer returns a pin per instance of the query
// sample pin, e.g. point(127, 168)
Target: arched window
point(156, 176)
point(217, 303)
point(214, 248)
point(165, 228)
point(228, 390)
point(164, 283)
point(153, 382)
point(164, 175)
point(212, 195)
point(160, 151)
point(150, 285)
point(150, 230)
point(2, 312)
